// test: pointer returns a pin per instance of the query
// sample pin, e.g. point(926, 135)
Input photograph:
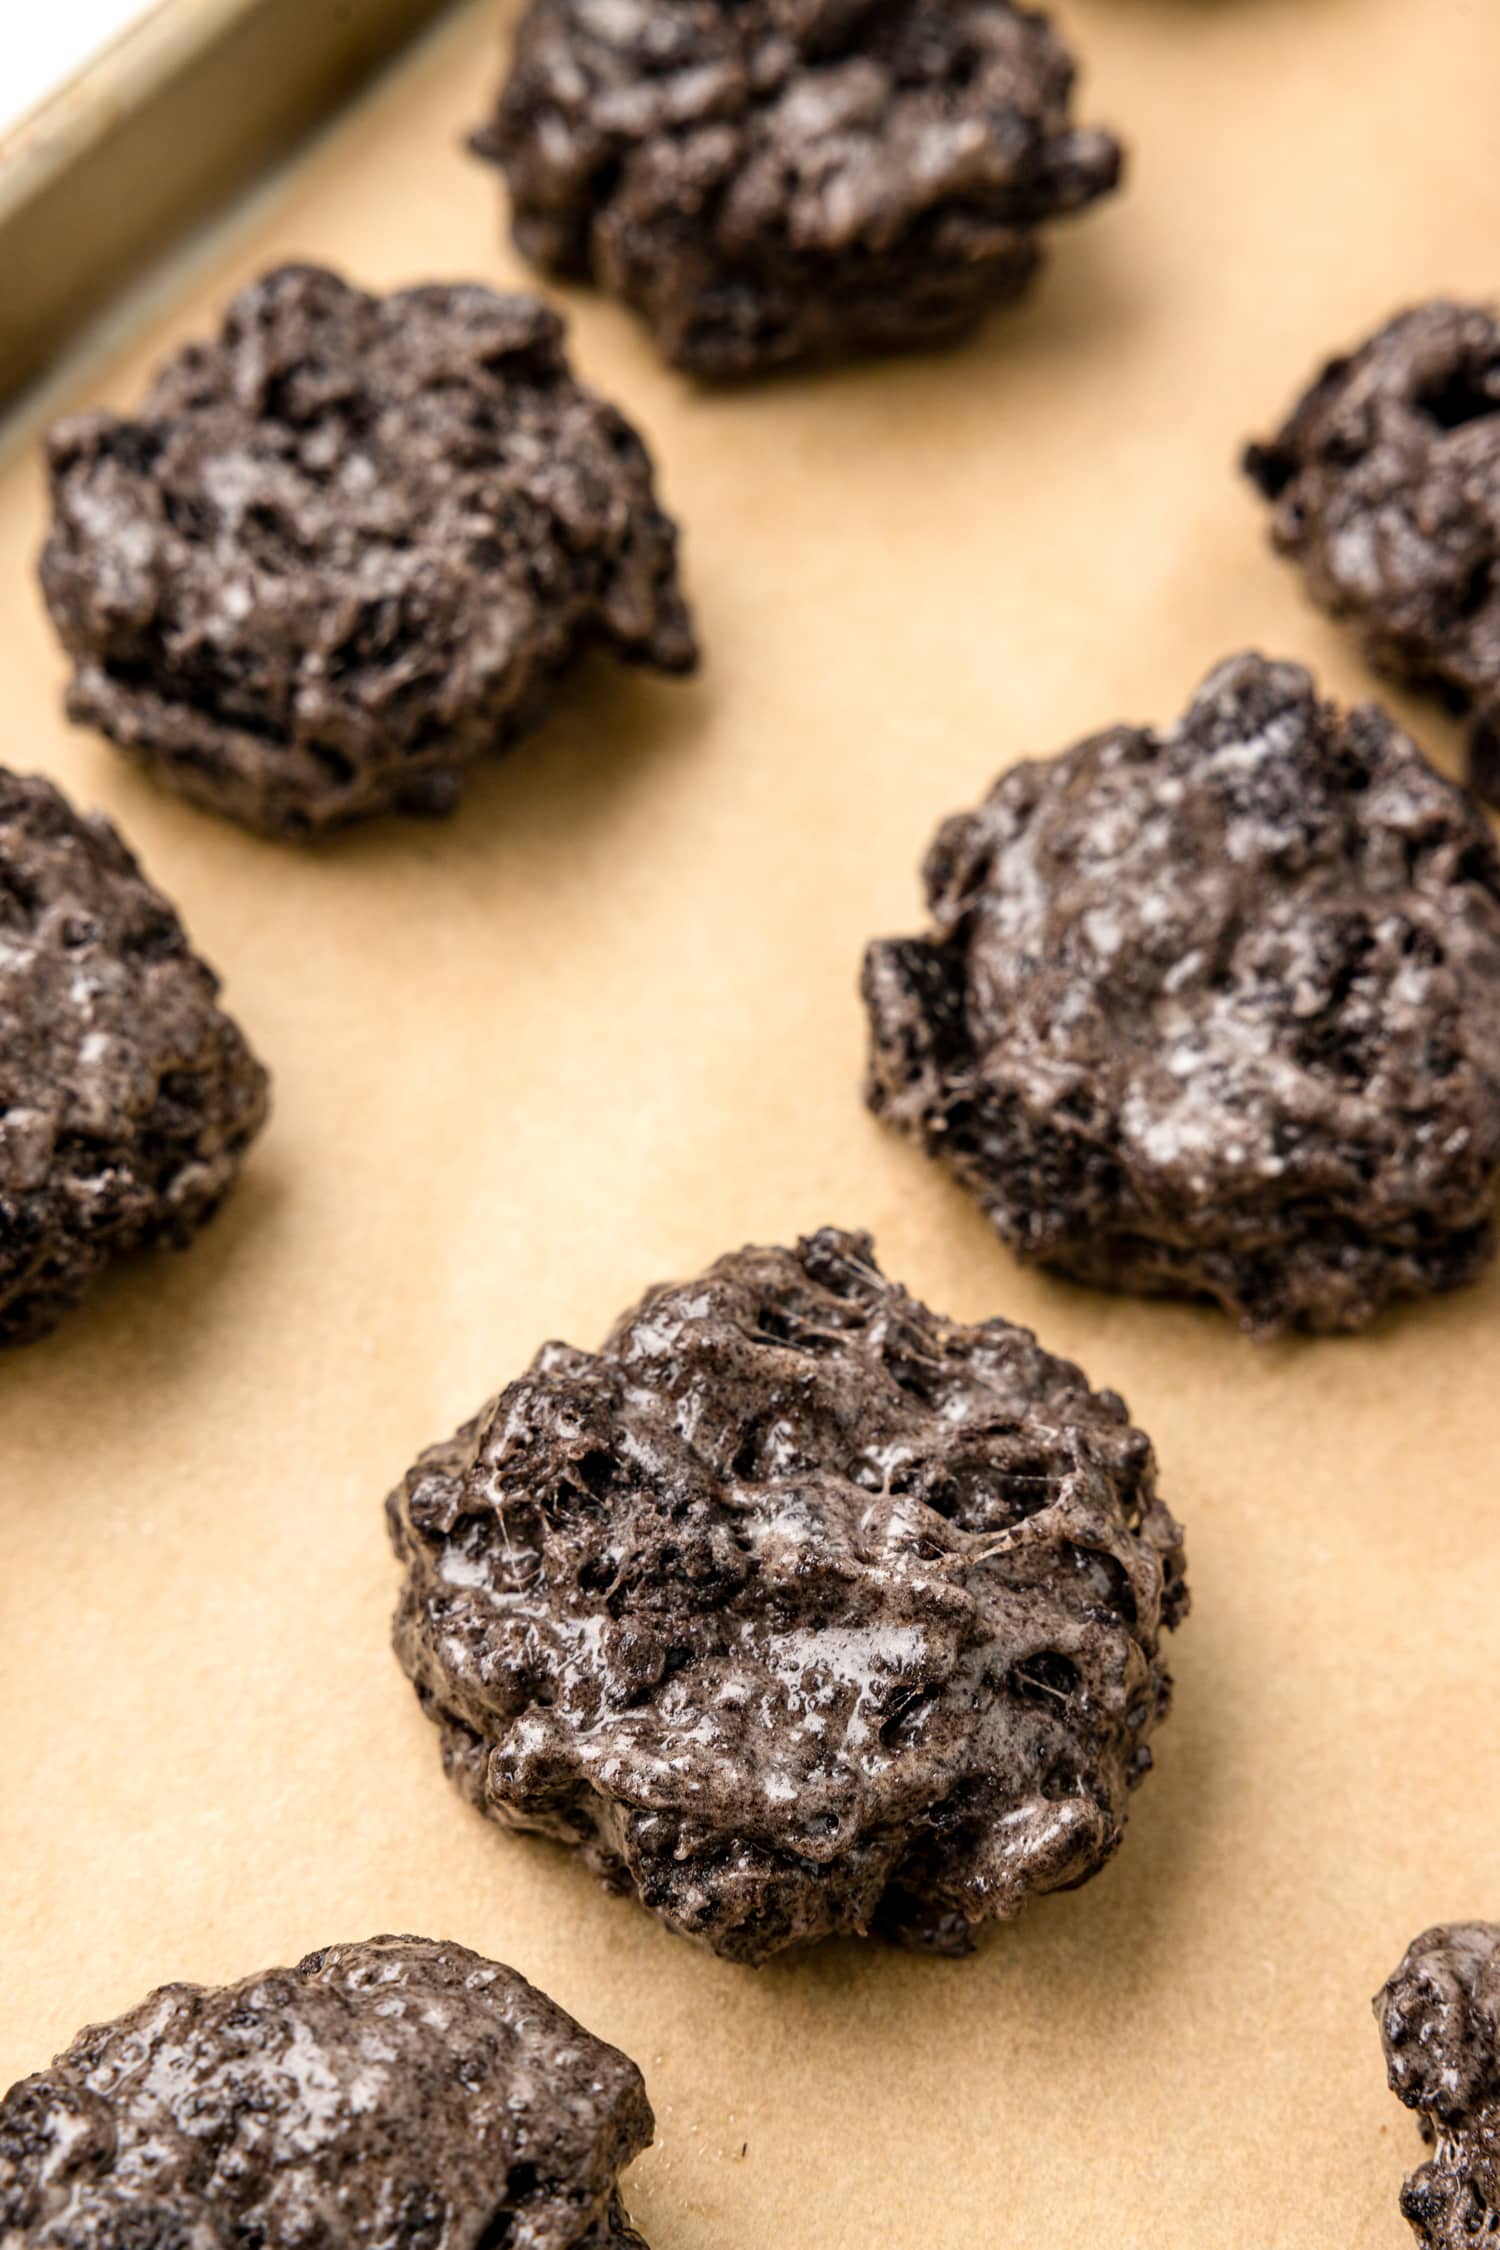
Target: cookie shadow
point(147, 1320)
point(610, 732)
point(999, 2029)
point(1086, 298)
point(605, 732)
point(1097, 1951)
point(1115, 1331)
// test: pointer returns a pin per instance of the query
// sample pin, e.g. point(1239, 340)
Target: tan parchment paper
point(602, 1026)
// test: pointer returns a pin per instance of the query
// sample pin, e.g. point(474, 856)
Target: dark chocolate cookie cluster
point(127, 1097)
point(1214, 1012)
point(1385, 488)
point(773, 180)
point(395, 2095)
point(1439, 2023)
point(341, 552)
point(798, 1609)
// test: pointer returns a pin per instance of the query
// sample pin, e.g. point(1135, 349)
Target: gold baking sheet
point(602, 1026)
point(155, 131)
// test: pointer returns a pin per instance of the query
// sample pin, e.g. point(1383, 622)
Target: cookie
point(776, 180)
point(797, 1609)
point(396, 2095)
point(342, 551)
point(127, 1097)
point(1439, 2023)
point(1214, 1012)
point(1385, 487)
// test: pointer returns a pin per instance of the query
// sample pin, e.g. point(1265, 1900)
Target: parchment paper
point(601, 1027)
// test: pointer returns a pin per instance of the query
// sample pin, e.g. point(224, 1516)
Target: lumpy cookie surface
point(342, 549)
point(1214, 1012)
point(1439, 2023)
point(394, 2093)
point(798, 1609)
point(127, 1096)
point(1384, 484)
point(774, 180)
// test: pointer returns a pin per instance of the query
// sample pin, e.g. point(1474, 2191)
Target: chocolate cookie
point(1440, 2026)
point(797, 1609)
point(773, 180)
point(341, 551)
point(127, 1096)
point(397, 2095)
point(1215, 1012)
point(1385, 484)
